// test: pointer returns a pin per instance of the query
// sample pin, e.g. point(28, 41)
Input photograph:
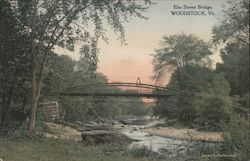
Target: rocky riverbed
point(138, 132)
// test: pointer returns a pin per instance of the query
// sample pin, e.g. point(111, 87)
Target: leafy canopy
point(65, 22)
point(234, 24)
point(178, 51)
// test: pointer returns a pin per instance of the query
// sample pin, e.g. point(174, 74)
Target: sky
point(125, 63)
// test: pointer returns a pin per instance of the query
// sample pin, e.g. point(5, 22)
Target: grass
point(58, 150)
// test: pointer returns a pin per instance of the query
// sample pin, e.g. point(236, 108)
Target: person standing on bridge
point(138, 81)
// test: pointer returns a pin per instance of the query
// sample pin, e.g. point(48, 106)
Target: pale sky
point(126, 63)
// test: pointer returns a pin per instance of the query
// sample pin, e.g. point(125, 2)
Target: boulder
point(127, 122)
point(103, 136)
point(64, 132)
point(135, 121)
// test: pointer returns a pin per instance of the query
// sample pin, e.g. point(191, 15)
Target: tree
point(63, 23)
point(62, 72)
point(180, 51)
point(58, 75)
point(234, 25)
point(213, 104)
point(235, 67)
point(177, 54)
point(205, 103)
point(14, 67)
point(234, 30)
point(236, 138)
point(89, 108)
point(186, 56)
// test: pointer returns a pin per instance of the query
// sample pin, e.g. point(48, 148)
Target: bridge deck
point(146, 95)
point(132, 90)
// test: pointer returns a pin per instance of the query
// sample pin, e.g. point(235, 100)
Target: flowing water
point(156, 143)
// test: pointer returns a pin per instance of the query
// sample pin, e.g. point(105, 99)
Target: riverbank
point(61, 142)
point(61, 150)
point(65, 132)
point(184, 134)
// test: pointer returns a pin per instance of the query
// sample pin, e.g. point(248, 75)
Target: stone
point(103, 136)
point(135, 121)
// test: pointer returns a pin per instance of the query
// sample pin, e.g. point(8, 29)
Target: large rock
point(103, 136)
point(64, 132)
point(135, 121)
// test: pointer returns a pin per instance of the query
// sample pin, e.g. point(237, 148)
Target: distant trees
point(186, 56)
point(202, 102)
point(207, 99)
point(63, 72)
point(85, 109)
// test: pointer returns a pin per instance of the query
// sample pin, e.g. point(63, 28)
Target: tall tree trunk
point(32, 117)
point(2, 103)
point(8, 106)
point(1, 109)
point(0, 116)
point(34, 52)
point(40, 79)
point(36, 90)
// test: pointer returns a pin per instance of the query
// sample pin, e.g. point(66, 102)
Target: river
point(137, 133)
point(157, 143)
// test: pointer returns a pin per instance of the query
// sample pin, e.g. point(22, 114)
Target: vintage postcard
point(124, 80)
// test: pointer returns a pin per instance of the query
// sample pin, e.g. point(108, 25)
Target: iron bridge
point(119, 89)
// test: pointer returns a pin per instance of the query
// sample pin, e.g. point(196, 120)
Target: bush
point(237, 138)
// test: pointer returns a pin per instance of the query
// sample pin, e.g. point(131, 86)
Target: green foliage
point(88, 58)
point(203, 102)
point(214, 105)
point(235, 67)
point(202, 98)
point(213, 112)
point(58, 75)
point(63, 23)
point(59, 150)
point(178, 51)
point(237, 138)
point(14, 68)
point(84, 109)
point(234, 29)
point(62, 72)
point(234, 25)
point(235, 145)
